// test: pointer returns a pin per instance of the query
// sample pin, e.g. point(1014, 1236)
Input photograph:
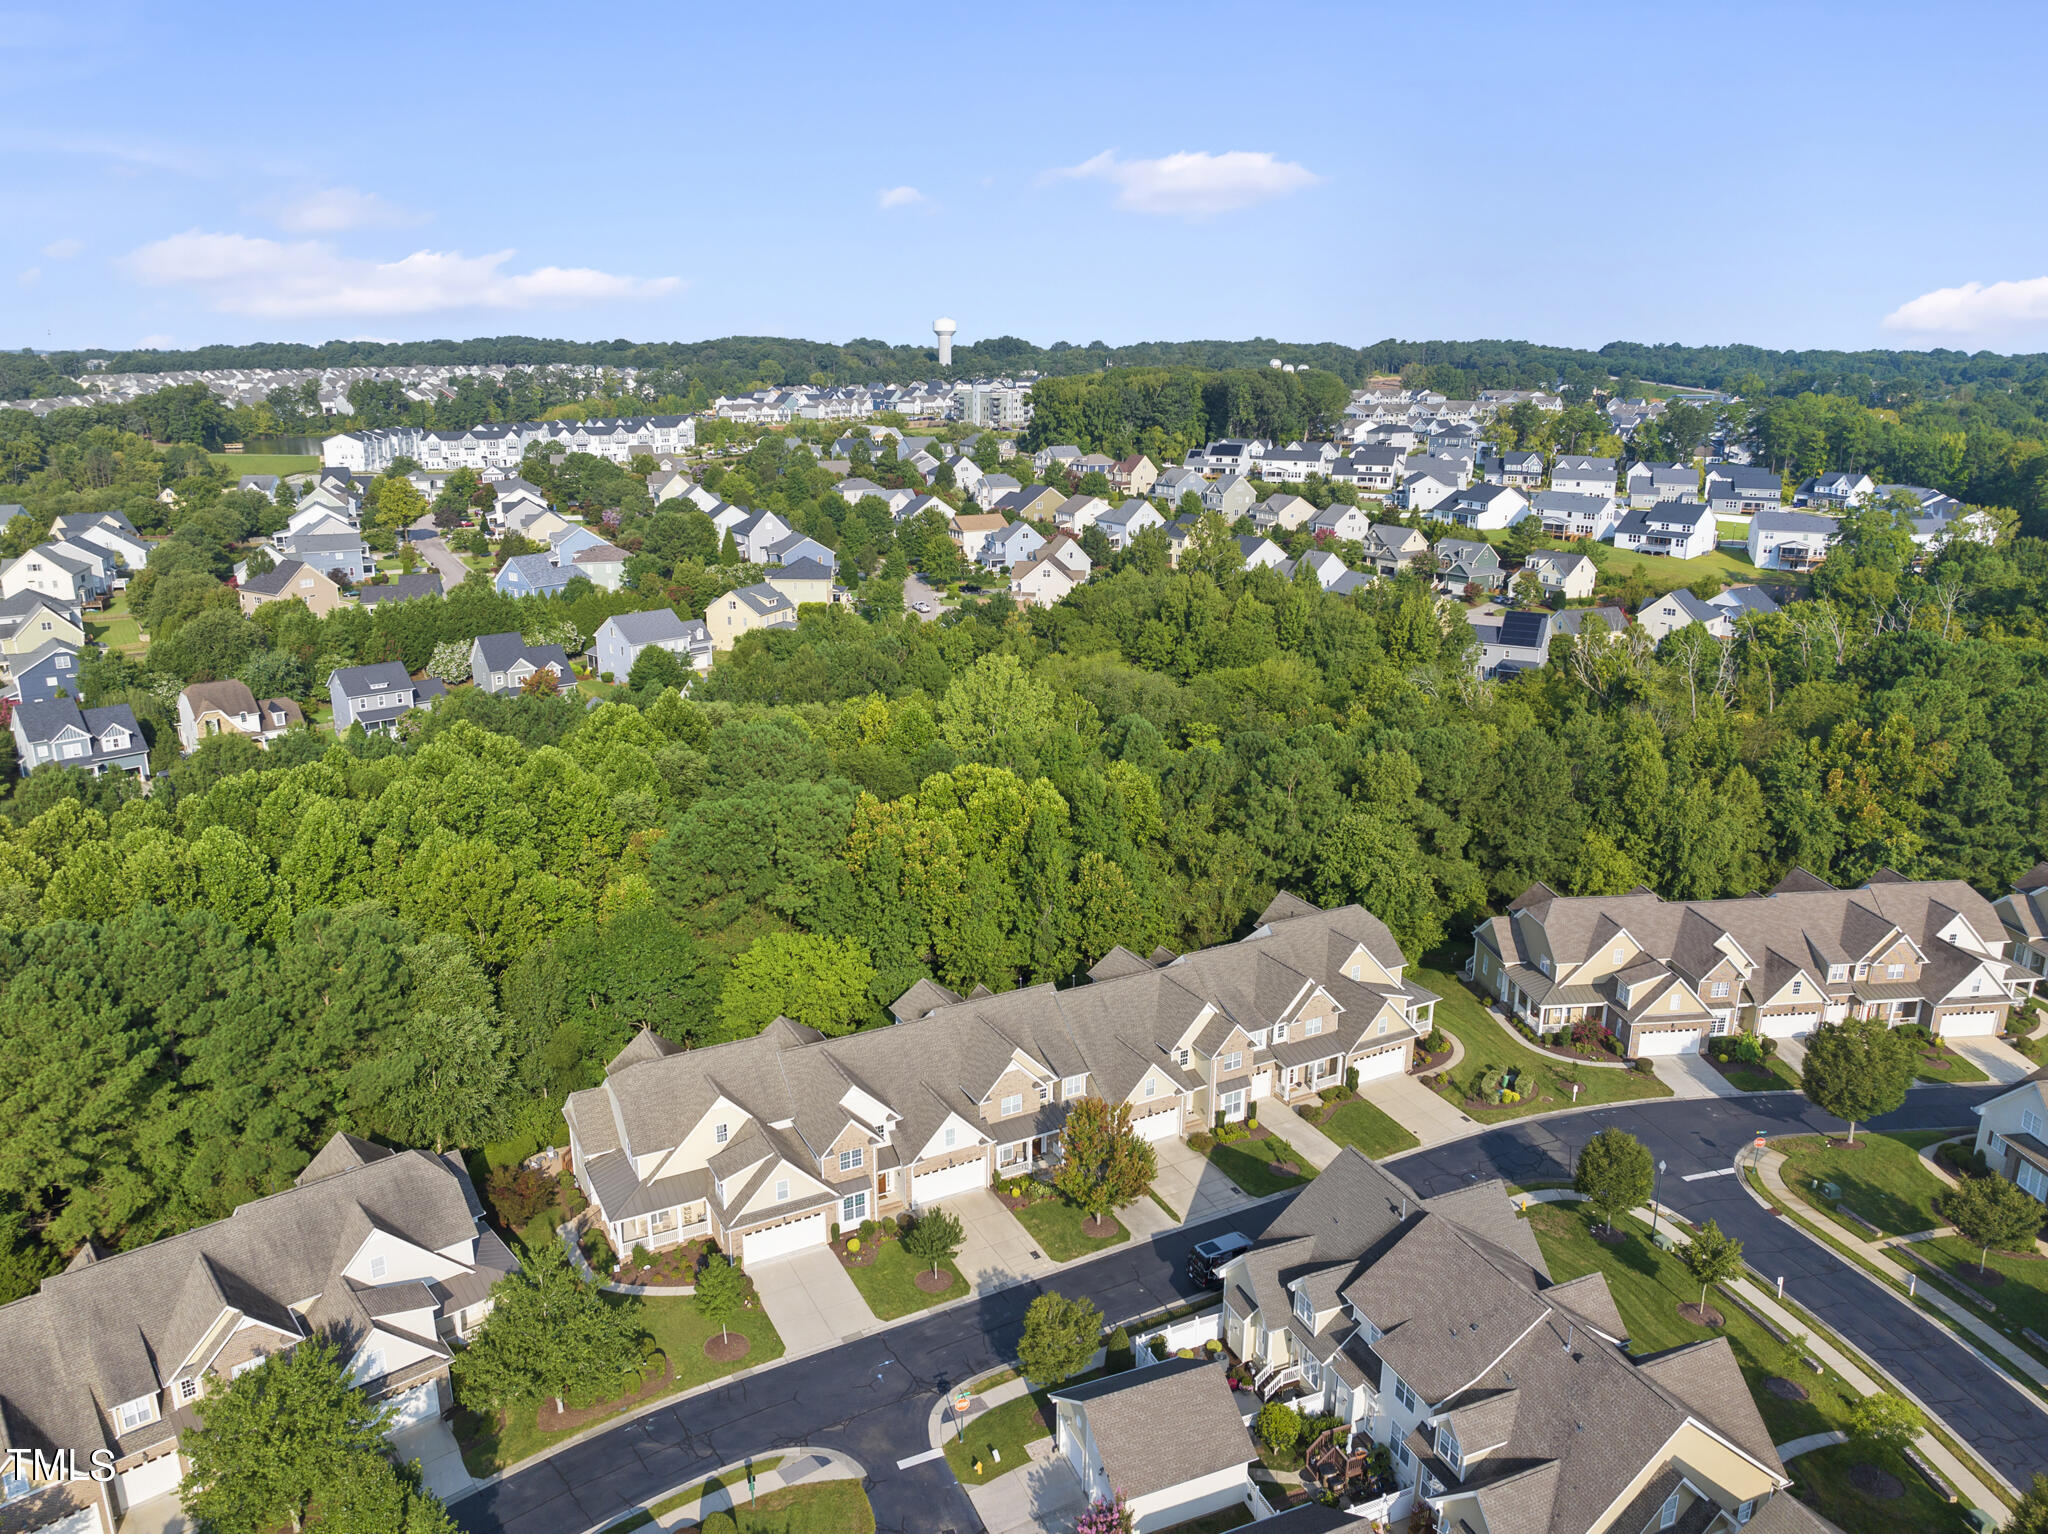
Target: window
point(1404, 1456)
point(1677, 1001)
point(1743, 1512)
point(1234, 1061)
point(951, 1137)
point(1383, 1025)
point(2030, 1122)
point(377, 1267)
point(718, 1133)
point(1311, 1374)
point(136, 1413)
point(188, 1388)
point(1403, 1394)
point(782, 1190)
point(853, 1160)
point(1720, 989)
point(1183, 1056)
point(853, 1208)
point(1838, 972)
point(1151, 1086)
point(1014, 1103)
point(1044, 1092)
point(1895, 972)
point(1280, 1033)
point(1303, 1307)
point(1312, 1027)
point(2033, 1180)
point(1618, 955)
point(1798, 986)
point(1073, 1086)
point(1669, 1515)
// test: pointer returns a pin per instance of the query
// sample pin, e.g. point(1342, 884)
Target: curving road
point(872, 1398)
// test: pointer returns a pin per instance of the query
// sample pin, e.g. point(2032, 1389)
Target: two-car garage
point(1158, 1126)
point(780, 1240)
point(930, 1187)
point(1968, 1025)
point(1668, 1041)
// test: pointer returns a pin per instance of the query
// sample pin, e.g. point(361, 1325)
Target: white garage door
point(930, 1187)
point(781, 1240)
point(154, 1479)
point(1157, 1126)
point(1969, 1025)
point(1791, 1025)
point(1678, 1041)
point(1387, 1062)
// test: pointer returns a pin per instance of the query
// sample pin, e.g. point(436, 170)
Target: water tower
point(944, 329)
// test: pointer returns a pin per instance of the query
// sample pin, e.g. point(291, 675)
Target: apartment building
point(1664, 975)
point(501, 444)
point(382, 1252)
point(766, 1143)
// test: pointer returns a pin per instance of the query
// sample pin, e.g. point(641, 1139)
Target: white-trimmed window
point(853, 1208)
point(718, 1134)
point(1014, 1103)
point(188, 1388)
point(1312, 1027)
point(1044, 1093)
point(2033, 1180)
point(1183, 1056)
point(1895, 972)
point(139, 1412)
point(951, 1137)
point(1303, 1307)
point(853, 1160)
point(1743, 1513)
point(1403, 1394)
point(1720, 989)
point(782, 1190)
point(1668, 1515)
point(1072, 1087)
point(378, 1266)
point(1151, 1086)
point(1234, 1061)
point(1279, 1033)
point(1618, 955)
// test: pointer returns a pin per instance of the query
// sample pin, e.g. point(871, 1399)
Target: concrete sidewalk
point(798, 1466)
point(1809, 1443)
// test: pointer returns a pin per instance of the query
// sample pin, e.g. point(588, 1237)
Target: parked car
point(924, 607)
point(1208, 1256)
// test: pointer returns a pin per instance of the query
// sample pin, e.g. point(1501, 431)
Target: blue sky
point(1785, 175)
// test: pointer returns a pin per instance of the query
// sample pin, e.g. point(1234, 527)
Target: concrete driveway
point(1190, 1184)
point(1995, 1058)
point(1693, 1075)
point(432, 1443)
point(810, 1299)
point(995, 1248)
point(1317, 1148)
point(915, 591)
point(1042, 1495)
point(1425, 1115)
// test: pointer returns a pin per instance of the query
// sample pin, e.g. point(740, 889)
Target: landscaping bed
point(1882, 1180)
point(896, 1284)
point(670, 1267)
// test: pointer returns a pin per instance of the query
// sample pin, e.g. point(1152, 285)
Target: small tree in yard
point(1104, 1164)
point(1614, 1173)
point(1857, 1069)
point(1711, 1257)
point(1279, 1426)
point(934, 1238)
point(1106, 1516)
point(2030, 1513)
point(550, 1336)
point(1060, 1336)
point(1886, 1422)
point(1989, 1211)
point(721, 1291)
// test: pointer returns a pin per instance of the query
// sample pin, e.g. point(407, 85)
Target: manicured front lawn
point(1946, 1066)
point(2021, 1301)
point(492, 1443)
point(1774, 1075)
point(266, 463)
point(1001, 1430)
point(1546, 1080)
point(1822, 1480)
point(1374, 1133)
point(825, 1507)
point(1883, 1179)
point(1055, 1225)
point(889, 1283)
point(1249, 1164)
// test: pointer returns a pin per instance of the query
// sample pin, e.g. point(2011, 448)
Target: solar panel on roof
point(1522, 630)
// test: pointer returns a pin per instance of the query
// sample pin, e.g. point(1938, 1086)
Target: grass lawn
point(1249, 1164)
point(116, 628)
point(1774, 1075)
point(654, 1511)
point(673, 1325)
point(1648, 1287)
point(1666, 574)
point(1003, 1430)
point(1883, 1180)
point(1055, 1225)
point(2021, 1301)
point(1361, 1124)
point(1948, 1066)
point(1546, 1079)
point(267, 463)
point(889, 1286)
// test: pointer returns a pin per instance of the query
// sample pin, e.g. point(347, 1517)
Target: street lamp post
point(1653, 1201)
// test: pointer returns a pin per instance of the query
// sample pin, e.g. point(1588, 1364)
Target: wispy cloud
point(1976, 308)
point(63, 250)
point(1191, 184)
point(30, 277)
point(336, 208)
point(243, 274)
point(900, 197)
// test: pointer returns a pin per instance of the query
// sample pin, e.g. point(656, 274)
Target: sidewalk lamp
point(1653, 1202)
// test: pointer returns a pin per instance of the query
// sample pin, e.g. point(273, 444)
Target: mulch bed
point(1878, 1485)
point(859, 1259)
point(548, 1420)
point(1990, 1278)
point(1095, 1229)
point(1784, 1389)
point(673, 1265)
point(1287, 1168)
point(728, 1348)
point(1424, 1062)
point(1014, 1204)
point(933, 1283)
point(1701, 1315)
point(1608, 1236)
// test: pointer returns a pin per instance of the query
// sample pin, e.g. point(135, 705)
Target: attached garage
point(1388, 1062)
point(1672, 1041)
point(1788, 1025)
point(1157, 1126)
point(1968, 1025)
point(930, 1187)
point(780, 1240)
point(157, 1478)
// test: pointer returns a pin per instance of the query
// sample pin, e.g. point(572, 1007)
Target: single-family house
point(1296, 462)
point(400, 588)
point(1063, 456)
point(31, 621)
point(2012, 1134)
point(1320, 565)
point(1011, 545)
point(1095, 463)
point(1340, 521)
point(1520, 467)
point(1261, 553)
point(1232, 495)
point(759, 606)
point(1391, 548)
point(502, 663)
point(1512, 642)
point(1570, 514)
point(1577, 621)
point(107, 530)
point(1172, 484)
point(1681, 609)
point(48, 671)
point(533, 575)
point(803, 580)
point(2024, 914)
point(972, 531)
point(1465, 563)
point(291, 581)
point(1483, 507)
point(757, 534)
point(1427, 484)
point(1673, 529)
point(55, 570)
point(377, 697)
point(1077, 513)
point(1741, 601)
point(1840, 488)
point(1120, 524)
point(1066, 548)
point(56, 731)
point(1369, 468)
point(1736, 490)
point(1036, 503)
point(666, 485)
point(1229, 455)
point(1567, 575)
point(1134, 475)
point(1283, 511)
point(1649, 483)
point(1583, 474)
point(621, 637)
point(230, 708)
point(992, 488)
point(1041, 581)
point(918, 505)
point(1168, 1439)
point(1780, 539)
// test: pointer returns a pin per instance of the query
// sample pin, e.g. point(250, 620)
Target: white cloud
point(243, 274)
point(343, 207)
point(1976, 308)
point(1191, 184)
point(31, 277)
point(900, 197)
point(63, 250)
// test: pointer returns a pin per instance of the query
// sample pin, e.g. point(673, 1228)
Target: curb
point(834, 1457)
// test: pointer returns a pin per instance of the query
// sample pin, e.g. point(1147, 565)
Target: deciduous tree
point(1857, 1069)
point(1614, 1172)
point(1060, 1335)
point(1103, 1164)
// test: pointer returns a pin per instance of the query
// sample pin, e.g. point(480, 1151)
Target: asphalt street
point(2003, 1423)
point(872, 1398)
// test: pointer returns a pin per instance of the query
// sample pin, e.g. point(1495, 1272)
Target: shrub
point(835, 1230)
point(1279, 1426)
point(1185, 1353)
point(518, 1194)
point(1201, 1142)
point(1351, 1078)
point(1645, 1066)
point(1119, 1353)
point(719, 1523)
point(1157, 1347)
point(852, 1245)
point(867, 1230)
point(642, 1258)
point(1436, 1043)
point(1212, 1347)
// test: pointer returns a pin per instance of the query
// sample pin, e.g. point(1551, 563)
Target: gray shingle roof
point(1165, 1424)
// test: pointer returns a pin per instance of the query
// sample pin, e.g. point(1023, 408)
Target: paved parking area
point(810, 1299)
point(995, 1248)
point(1317, 1148)
point(433, 1445)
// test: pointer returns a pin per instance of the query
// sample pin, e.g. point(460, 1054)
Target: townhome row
point(765, 1143)
point(384, 1253)
point(501, 444)
point(1664, 975)
point(1505, 1399)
